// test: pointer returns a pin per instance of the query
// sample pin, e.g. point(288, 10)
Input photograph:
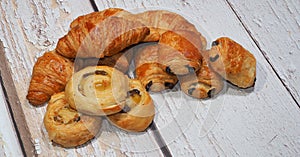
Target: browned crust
point(233, 62)
point(50, 75)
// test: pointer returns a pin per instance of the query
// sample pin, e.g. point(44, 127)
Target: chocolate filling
point(213, 59)
point(134, 91)
point(169, 85)
point(214, 43)
point(168, 70)
point(191, 90)
point(148, 86)
point(211, 93)
point(77, 119)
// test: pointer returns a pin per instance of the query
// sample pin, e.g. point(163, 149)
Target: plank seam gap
point(160, 141)
point(94, 5)
point(158, 138)
point(262, 52)
point(11, 115)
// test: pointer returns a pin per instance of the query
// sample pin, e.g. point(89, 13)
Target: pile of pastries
point(85, 78)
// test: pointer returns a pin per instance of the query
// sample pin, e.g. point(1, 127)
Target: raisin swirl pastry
point(150, 71)
point(65, 126)
point(49, 76)
point(205, 83)
point(99, 37)
point(233, 62)
point(97, 90)
point(138, 112)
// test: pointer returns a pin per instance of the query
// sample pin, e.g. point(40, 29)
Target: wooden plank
point(16, 125)
point(28, 29)
point(274, 25)
point(261, 122)
point(9, 143)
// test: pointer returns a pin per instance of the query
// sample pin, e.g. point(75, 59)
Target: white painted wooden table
point(261, 122)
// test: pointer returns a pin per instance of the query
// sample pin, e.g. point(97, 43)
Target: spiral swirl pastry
point(138, 113)
point(98, 90)
point(65, 126)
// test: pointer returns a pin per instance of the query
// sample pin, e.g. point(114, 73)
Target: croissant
point(67, 127)
point(96, 17)
point(233, 62)
point(50, 75)
point(205, 83)
point(138, 112)
point(180, 51)
point(150, 71)
point(101, 38)
point(97, 90)
point(160, 21)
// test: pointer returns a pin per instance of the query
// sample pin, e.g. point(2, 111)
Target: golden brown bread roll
point(98, 90)
point(233, 62)
point(101, 38)
point(50, 75)
point(150, 71)
point(65, 126)
point(138, 112)
point(205, 83)
point(160, 21)
point(180, 51)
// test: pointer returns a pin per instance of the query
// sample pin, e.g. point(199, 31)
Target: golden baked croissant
point(150, 71)
point(160, 21)
point(95, 17)
point(50, 75)
point(101, 38)
point(138, 112)
point(65, 126)
point(97, 90)
point(205, 83)
point(180, 51)
point(233, 62)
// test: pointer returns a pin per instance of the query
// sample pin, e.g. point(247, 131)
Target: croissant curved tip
point(37, 98)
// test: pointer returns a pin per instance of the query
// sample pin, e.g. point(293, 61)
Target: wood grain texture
point(275, 26)
point(28, 29)
point(237, 123)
